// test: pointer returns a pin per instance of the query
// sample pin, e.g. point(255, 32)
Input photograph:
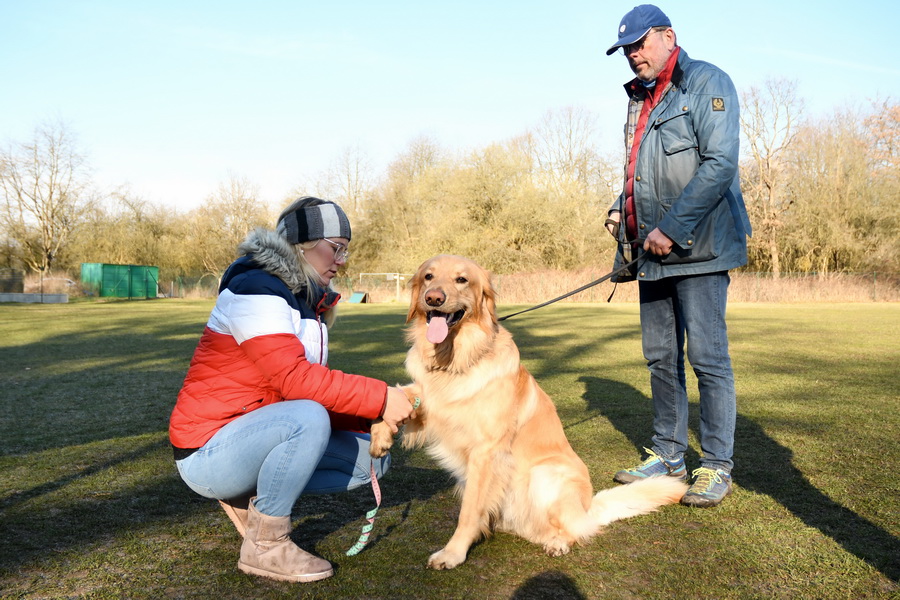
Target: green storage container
point(120, 281)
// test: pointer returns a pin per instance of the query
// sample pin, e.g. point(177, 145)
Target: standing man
point(682, 206)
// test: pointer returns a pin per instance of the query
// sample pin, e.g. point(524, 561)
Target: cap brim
point(627, 40)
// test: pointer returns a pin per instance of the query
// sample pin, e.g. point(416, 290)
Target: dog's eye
point(462, 280)
point(428, 276)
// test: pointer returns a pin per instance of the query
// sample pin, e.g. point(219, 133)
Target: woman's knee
point(311, 411)
point(310, 417)
point(300, 418)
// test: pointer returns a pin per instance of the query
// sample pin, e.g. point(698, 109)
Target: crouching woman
point(261, 419)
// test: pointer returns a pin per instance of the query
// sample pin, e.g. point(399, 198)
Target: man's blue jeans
point(692, 309)
point(281, 450)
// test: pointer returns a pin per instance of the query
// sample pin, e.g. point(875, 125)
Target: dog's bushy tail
point(638, 498)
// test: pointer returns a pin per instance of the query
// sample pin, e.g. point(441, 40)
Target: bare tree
point(883, 128)
point(563, 147)
point(224, 220)
point(831, 192)
point(126, 229)
point(770, 120)
point(45, 187)
point(401, 218)
point(349, 181)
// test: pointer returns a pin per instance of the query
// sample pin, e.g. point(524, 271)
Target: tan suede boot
point(268, 551)
point(236, 509)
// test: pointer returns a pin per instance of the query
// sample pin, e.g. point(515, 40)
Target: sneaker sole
point(702, 502)
point(626, 477)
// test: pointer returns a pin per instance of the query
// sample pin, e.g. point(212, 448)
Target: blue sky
point(171, 97)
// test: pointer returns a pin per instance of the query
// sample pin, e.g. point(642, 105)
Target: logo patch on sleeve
point(718, 103)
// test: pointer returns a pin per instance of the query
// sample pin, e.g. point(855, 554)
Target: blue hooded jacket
point(686, 179)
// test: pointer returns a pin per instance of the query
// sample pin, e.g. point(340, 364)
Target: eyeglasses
point(639, 45)
point(341, 252)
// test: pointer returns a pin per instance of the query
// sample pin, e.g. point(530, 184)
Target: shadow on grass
point(322, 515)
point(38, 533)
point(117, 377)
point(550, 584)
point(761, 465)
point(32, 535)
point(19, 496)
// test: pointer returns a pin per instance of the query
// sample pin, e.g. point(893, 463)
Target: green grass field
point(91, 505)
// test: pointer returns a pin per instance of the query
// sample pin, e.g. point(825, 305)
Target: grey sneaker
point(709, 488)
point(653, 466)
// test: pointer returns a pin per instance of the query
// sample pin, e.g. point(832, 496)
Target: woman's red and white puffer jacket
point(264, 343)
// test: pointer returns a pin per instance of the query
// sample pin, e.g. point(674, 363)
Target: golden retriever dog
point(485, 419)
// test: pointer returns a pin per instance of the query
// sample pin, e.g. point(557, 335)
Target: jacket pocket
point(675, 133)
point(702, 247)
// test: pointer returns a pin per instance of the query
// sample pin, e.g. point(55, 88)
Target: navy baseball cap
point(638, 23)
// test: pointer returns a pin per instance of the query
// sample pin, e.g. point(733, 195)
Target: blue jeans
point(675, 310)
point(281, 450)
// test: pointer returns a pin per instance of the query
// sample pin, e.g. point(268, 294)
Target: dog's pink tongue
point(437, 330)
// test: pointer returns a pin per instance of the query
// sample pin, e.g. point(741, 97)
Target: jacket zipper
point(321, 341)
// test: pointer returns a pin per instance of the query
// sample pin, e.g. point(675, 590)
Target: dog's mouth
point(439, 324)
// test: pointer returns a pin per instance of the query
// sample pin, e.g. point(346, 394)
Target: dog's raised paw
point(381, 439)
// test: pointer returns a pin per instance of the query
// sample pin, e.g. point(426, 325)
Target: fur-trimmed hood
point(273, 254)
point(266, 251)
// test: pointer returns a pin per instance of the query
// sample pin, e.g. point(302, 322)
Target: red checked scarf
point(638, 114)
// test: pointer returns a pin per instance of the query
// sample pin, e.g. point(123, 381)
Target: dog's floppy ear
point(488, 302)
point(415, 291)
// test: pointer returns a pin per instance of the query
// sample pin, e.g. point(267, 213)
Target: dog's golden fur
point(485, 419)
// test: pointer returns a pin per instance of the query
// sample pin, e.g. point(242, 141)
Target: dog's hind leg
point(565, 505)
point(572, 525)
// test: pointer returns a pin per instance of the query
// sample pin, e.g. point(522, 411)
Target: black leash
point(624, 267)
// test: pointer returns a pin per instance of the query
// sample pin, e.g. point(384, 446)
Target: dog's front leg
point(474, 514)
point(381, 437)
